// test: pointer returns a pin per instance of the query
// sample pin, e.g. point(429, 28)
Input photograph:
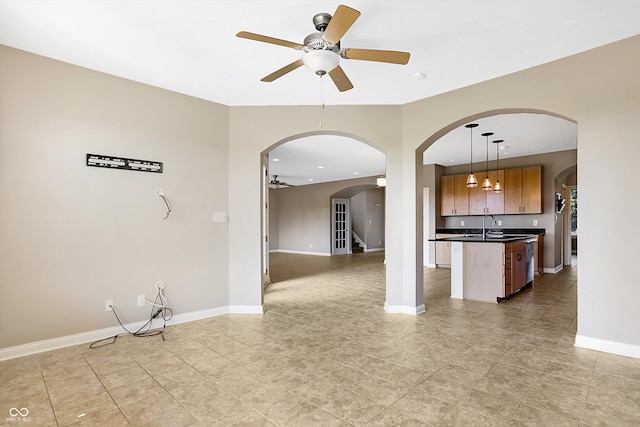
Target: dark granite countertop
point(509, 231)
point(491, 238)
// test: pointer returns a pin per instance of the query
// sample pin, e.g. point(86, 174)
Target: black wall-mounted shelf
point(111, 162)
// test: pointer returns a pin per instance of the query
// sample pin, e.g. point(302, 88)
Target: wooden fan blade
point(391, 56)
point(267, 39)
point(340, 79)
point(340, 23)
point(282, 71)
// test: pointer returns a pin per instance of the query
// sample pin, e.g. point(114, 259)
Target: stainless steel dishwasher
point(529, 257)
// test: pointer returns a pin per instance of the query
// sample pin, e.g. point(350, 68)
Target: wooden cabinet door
point(513, 191)
point(495, 201)
point(447, 195)
point(443, 253)
point(477, 200)
point(461, 195)
point(532, 189)
point(518, 269)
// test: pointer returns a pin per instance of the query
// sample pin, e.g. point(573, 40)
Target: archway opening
point(530, 138)
point(303, 176)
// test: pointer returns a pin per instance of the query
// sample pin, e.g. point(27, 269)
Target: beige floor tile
point(562, 405)
point(527, 416)
point(462, 417)
point(286, 410)
point(353, 408)
point(422, 407)
point(136, 390)
point(159, 407)
point(325, 341)
point(124, 376)
point(93, 407)
point(390, 417)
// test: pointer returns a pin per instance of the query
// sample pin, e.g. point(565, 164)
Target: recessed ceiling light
point(310, 179)
point(419, 75)
point(320, 167)
point(452, 160)
point(276, 160)
point(356, 173)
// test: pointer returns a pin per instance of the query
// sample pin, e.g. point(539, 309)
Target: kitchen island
point(489, 267)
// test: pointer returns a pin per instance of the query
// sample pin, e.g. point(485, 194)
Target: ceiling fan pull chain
point(321, 101)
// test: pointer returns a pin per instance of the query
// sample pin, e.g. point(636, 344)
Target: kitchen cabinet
point(523, 190)
point(454, 195)
point(443, 250)
point(483, 202)
point(515, 267)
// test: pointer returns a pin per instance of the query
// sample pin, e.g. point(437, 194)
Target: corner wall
point(72, 236)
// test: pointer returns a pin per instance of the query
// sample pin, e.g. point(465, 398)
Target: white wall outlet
point(140, 301)
point(107, 305)
point(461, 223)
point(499, 222)
point(160, 285)
point(535, 222)
point(220, 217)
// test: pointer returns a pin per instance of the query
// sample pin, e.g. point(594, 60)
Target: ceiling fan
point(275, 183)
point(322, 51)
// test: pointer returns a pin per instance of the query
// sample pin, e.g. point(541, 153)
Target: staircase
point(355, 246)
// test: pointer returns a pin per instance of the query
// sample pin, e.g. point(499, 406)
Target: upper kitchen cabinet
point(523, 190)
point(483, 202)
point(454, 195)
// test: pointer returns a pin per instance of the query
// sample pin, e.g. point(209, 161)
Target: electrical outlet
point(107, 304)
point(160, 285)
point(140, 301)
point(535, 222)
point(499, 222)
point(461, 223)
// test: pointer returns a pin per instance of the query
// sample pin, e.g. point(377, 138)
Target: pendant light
point(472, 181)
point(498, 187)
point(486, 184)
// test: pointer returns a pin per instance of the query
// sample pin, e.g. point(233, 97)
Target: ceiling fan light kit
point(321, 61)
point(322, 50)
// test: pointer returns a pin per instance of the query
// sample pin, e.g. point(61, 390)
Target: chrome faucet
point(484, 233)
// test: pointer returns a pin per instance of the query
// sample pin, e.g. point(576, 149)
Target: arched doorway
point(484, 159)
point(301, 176)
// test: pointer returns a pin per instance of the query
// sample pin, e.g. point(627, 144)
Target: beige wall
point(72, 236)
point(304, 215)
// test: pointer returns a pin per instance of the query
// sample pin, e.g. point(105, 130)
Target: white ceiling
point(189, 46)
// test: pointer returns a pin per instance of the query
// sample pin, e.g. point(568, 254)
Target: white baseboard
point(374, 249)
point(287, 251)
point(607, 346)
point(246, 309)
point(91, 336)
point(404, 309)
point(554, 270)
point(431, 265)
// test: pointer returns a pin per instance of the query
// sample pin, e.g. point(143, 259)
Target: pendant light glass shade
point(486, 184)
point(498, 187)
point(472, 181)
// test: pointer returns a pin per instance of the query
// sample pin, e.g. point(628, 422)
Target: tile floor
point(326, 354)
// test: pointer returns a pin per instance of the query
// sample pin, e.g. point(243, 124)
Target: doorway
point(340, 227)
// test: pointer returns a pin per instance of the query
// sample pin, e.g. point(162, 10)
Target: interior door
point(265, 221)
point(340, 227)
